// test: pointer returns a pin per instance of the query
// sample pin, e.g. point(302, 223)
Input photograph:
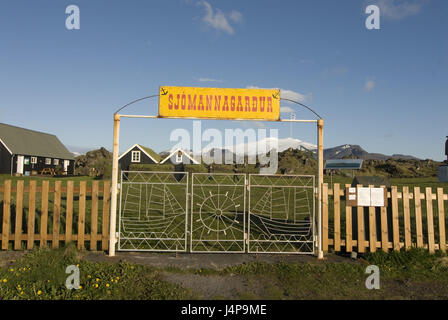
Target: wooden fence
point(33, 215)
point(413, 218)
point(36, 215)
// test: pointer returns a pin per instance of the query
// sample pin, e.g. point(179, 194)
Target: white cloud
point(236, 16)
point(370, 84)
point(399, 9)
point(220, 20)
point(209, 80)
point(286, 109)
point(289, 94)
point(292, 95)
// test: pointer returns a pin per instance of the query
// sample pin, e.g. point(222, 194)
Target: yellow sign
point(218, 103)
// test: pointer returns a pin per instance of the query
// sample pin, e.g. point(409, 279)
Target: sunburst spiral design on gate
point(218, 212)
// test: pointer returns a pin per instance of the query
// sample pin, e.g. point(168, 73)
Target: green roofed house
point(27, 152)
point(138, 154)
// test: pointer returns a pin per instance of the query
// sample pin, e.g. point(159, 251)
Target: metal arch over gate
point(272, 98)
point(281, 214)
point(153, 211)
point(218, 213)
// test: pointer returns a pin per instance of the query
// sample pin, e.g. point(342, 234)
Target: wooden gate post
point(113, 200)
point(320, 182)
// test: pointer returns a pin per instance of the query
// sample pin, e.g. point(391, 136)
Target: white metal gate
point(153, 211)
point(281, 214)
point(218, 213)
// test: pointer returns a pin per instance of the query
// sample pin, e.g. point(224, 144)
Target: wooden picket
point(418, 217)
point(56, 214)
point(31, 215)
point(395, 220)
point(384, 228)
point(106, 208)
point(82, 214)
point(69, 213)
point(407, 219)
point(337, 217)
point(94, 217)
point(19, 216)
point(348, 226)
point(429, 217)
point(361, 230)
point(325, 217)
point(441, 208)
point(6, 214)
point(45, 205)
point(44, 216)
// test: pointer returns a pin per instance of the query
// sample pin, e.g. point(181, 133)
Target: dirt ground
point(216, 261)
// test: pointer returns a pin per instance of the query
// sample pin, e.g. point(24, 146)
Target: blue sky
point(385, 90)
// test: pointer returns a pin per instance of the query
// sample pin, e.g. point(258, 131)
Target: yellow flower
point(107, 285)
point(77, 266)
point(89, 276)
point(12, 270)
point(22, 292)
point(39, 293)
point(116, 281)
point(96, 285)
point(80, 287)
point(5, 280)
point(118, 278)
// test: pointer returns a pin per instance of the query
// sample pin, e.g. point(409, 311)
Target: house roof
point(183, 153)
point(34, 143)
point(148, 151)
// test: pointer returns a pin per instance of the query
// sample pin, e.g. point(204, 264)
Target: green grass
point(415, 274)
point(41, 275)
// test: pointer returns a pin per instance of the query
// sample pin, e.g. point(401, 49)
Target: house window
point(179, 157)
point(135, 157)
point(47, 160)
point(33, 160)
point(56, 162)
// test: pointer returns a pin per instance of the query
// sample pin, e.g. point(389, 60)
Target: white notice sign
point(364, 197)
point(377, 197)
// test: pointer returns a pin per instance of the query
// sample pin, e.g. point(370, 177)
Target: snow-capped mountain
point(265, 145)
point(356, 152)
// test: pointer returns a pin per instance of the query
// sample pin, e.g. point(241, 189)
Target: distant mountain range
point(345, 151)
point(349, 151)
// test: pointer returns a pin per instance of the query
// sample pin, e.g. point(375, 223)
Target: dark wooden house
point(28, 152)
point(138, 154)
